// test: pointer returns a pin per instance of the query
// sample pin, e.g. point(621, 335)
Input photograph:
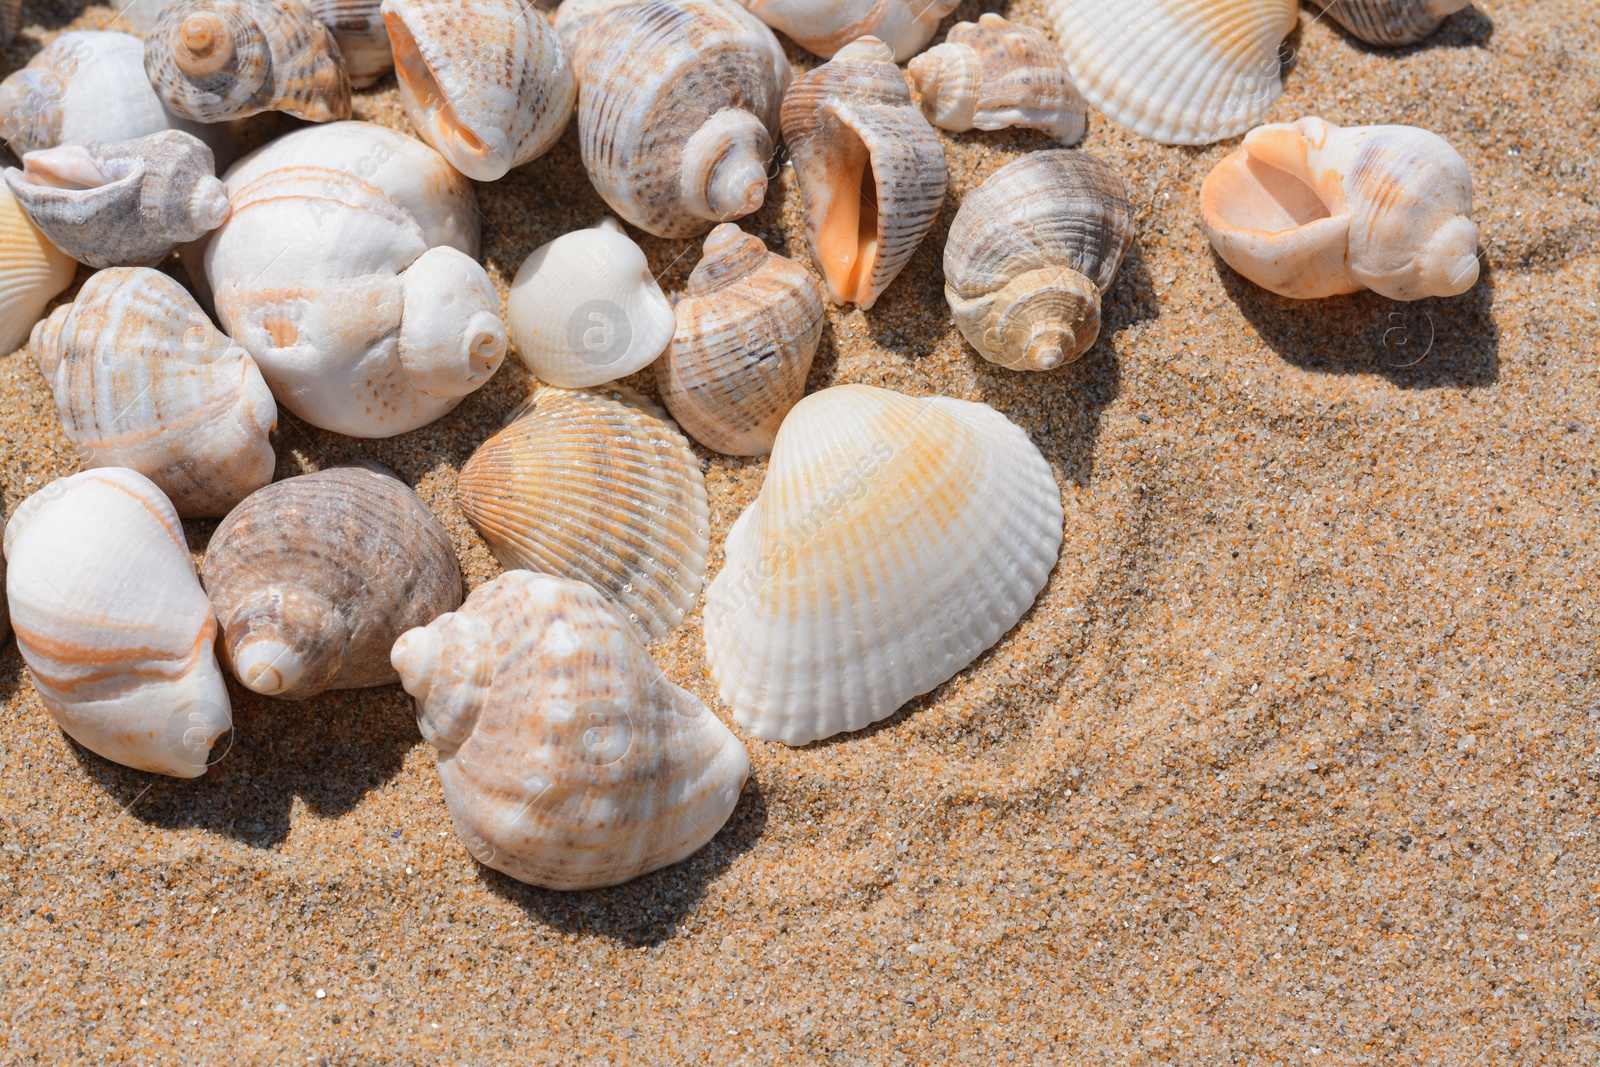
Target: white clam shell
point(822, 27)
point(32, 272)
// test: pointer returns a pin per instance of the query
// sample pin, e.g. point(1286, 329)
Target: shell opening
point(724, 172)
point(848, 239)
point(202, 44)
point(1253, 195)
point(71, 167)
point(412, 69)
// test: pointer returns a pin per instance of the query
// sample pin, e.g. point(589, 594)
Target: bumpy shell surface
point(747, 330)
point(893, 541)
point(112, 621)
point(143, 380)
point(567, 759)
point(1308, 209)
point(1177, 71)
point(871, 170)
point(122, 203)
point(363, 40)
point(822, 27)
point(213, 60)
point(1031, 252)
point(677, 108)
point(993, 74)
point(32, 272)
point(1391, 22)
point(592, 486)
point(314, 578)
point(88, 85)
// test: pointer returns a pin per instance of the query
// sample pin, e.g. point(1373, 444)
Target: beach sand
point(1295, 760)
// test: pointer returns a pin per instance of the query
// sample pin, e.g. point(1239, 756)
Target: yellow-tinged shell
point(32, 272)
point(993, 74)
point(822, 27)
point(1391, 22)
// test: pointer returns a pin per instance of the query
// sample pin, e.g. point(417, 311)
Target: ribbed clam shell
point(32, 272)
point(871, 170)
point(893, 541)
point(358, 30)
point(822, 27)
point(568, 760)
point(590, 485)
point(111, 620)
point(993, 74)
point(88, 85)
point(1391, 22)
point(1177, 71)
point(747, 329)
point(314, 578)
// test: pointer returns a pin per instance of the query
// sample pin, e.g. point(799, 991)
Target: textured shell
point(32, 272)
point(567, 759)
point(1177, 71)
point(1308, 209)
point(589, 485)
point(862, 151)
point(213, 60)
point(346, 270)
point(677, 108)
point(122, 203)
point(486, 82)
point(88, 85)
point(822, 27)
point(1392, 22)
point(314, 578)
point(747, 330)
point(1030, 254)
point(893, 541)
point(363, 40)
point(139, 684)
point(143, 380)
point(994, 74)
point(584, 310)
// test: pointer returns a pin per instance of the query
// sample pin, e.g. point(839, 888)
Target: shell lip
point(432, 108)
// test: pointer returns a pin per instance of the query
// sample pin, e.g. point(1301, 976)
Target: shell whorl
point(994, 74)
point(1391, 23)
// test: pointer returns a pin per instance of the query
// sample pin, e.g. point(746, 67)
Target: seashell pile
point(994, 74)
point(1391, 22)
point(822, 27)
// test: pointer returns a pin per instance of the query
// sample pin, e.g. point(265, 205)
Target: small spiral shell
point(994, 74)
point(1390, 23)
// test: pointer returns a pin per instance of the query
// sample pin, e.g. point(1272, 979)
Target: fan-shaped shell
point(893, 541)
point(822, 27)
point(1391, 22)
point(590, 485)
point(32, 272)
point(993, 74)
point(363, 40)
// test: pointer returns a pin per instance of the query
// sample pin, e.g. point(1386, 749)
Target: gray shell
point(1390, 23)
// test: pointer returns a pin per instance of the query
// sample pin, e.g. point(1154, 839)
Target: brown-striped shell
point(993, 74)
point(1390, 23)
point(357, 28)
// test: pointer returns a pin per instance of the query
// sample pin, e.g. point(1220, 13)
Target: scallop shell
point(568, 761)
point(589, 485)
point(747, 330)
point(822, 27)
point(677, 108)
point(893, 541)
point(314, 578)
point(213, 60)
point(1030, 254)
point(1308, 209)
point(363, 40)
point(584, 309)
point(994, 74)
point(871, 169)
point(1391, 22)
point(32, 272)
point(111, 620)
point(1177, 71)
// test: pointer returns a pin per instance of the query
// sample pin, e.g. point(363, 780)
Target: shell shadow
point(1467, 28)
point(12, 669)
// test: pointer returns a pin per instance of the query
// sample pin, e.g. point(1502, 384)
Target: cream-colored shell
point(893, 541)
point(1391, 22)
point(567, 759)
point(87, 85)
point(32, 272)
point(112, 621)
point(993, 74)
point(363, 40)
point(822, 27)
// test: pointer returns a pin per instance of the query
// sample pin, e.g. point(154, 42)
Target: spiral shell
point(87, 85)
point(32, 272)
point(994, 74)
point(822, 27)
point(363, 40)
point(1391, 22)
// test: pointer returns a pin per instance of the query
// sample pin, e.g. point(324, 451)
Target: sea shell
point(677, 108)
point(893, 541)
point(32, 272)
point(122, 203)
point(822, 27)
point(584, 309)
point(1391, 22)
point(346, 269)
point(994, 74)
point(568, 761)
point(315, 576)
point(212, 60)
point(486, 82)
point(590, 485)
point(1177, 71)
point(1308, 209)
point(1030, 254)
point(112, 621)
point(871, 169)
point(747, 330)
point(143, 380)
point(363, 40)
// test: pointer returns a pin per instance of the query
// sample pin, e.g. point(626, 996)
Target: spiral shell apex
point(822, 27)
point(1391, 22)
point(993, 74)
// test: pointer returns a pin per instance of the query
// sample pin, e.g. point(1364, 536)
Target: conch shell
point(1308, 210)
point(568, 761)
point(111, 620)
point(994, 74)
point(822, 27)
point(893, 541)
point(363, 40)
point(747, 330)
point(32, 272)
point(1030, 254)
point(871, 169)
point(1391, 22)
point(315, 576)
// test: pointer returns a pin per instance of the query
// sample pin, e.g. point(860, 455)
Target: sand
point(1294, 761)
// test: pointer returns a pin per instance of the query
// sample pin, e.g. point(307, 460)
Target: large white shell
point(893, 541)
point(822, 27)
point(112, 621)
point(32, 272)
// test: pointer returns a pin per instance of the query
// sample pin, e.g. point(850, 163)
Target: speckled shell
point(593, 485)
point(747, 329)
point(822, 27)
point(88, 85)
point(358, 29)
point(1391, 22)
point(111, 620)
point(677, 108)
point(893, 541)
point(567, 759)
point(32, 272)
point(315, 576)
point(861, 149)
point(994, 74)
point(1031, 252)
